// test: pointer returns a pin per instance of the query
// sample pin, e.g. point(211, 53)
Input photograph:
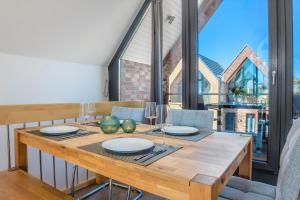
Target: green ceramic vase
point(109, 124)
point(128, 126)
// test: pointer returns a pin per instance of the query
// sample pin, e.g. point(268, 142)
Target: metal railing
point(10, 130)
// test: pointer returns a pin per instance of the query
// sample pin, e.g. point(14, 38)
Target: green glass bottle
point(128, 126)
point(109, 124)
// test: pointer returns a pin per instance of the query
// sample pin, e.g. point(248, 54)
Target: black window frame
point(280, 40)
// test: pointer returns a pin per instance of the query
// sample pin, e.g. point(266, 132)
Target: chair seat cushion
point(229, 193)
point(243, 189)
point(18, 185)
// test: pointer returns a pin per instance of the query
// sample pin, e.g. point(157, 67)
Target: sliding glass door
point(234, 73)
point(222, 55)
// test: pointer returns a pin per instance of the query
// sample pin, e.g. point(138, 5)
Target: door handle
point(273, 77)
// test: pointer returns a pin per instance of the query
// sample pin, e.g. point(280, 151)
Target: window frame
point(280, 41)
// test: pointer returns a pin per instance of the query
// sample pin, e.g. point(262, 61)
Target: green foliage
point(238, 90)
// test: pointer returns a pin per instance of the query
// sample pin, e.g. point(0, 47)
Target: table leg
point(20, 153)
point(100, 179)
point(204, 188)
point(245, 168)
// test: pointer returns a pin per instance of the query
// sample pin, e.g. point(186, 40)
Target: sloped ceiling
point(139, 49)
point(81, 31)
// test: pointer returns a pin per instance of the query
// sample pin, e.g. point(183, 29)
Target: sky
point(234, 25)
point(237, 23)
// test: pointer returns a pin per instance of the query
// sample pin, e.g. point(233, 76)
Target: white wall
point(77, 31)
point(26, 80)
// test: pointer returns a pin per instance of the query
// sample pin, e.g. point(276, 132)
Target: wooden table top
point(217, 156)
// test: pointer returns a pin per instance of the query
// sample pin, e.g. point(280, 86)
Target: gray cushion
point(288, 184)
point(254, 196)
point(137, 114)
point(194, 118)
point(294, 128)
point(248, 186)
point(235, 194)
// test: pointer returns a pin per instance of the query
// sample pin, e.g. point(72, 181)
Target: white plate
point(127, 145)
point(58, 130)
point(180, 130)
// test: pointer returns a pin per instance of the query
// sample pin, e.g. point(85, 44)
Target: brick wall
point(134, 81)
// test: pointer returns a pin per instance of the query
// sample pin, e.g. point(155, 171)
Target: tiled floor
point(118, 194)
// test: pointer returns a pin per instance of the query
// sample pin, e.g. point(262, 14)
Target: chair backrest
point(14, 114)
point(295, 126)
point(288, 184)
point(194, 118)
point(29, 115)
point(137, 114)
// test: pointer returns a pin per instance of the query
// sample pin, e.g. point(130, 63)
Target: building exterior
point(246, 83)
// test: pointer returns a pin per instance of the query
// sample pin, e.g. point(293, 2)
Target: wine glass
point(150, 111)
point(162, 111)
point(92, 109)
point(84, 113)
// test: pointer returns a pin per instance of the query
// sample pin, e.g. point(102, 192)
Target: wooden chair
point(16, 184)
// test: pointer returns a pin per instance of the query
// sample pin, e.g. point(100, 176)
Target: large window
point(227, 70)
point(296, 57)
point(233, 57)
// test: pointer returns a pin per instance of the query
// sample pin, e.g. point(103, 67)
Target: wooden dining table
point(197, 171)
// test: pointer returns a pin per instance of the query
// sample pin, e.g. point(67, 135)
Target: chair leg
point(109, 184)
point(128, 192)
point(75, 168)
point(110, 190)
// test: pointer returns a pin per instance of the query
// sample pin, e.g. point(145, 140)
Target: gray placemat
point(144, 158)
point(76, 134)
point(195, 137)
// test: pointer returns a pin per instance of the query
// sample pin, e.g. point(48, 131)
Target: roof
point(246, 53)
point(214, 67)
